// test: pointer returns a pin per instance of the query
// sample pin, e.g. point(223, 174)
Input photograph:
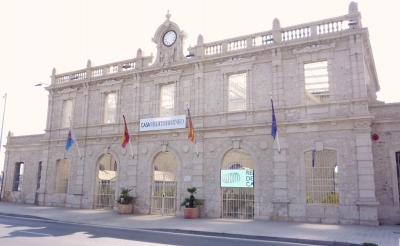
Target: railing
point(98, 71)
point(276, 35)
point(309, 30)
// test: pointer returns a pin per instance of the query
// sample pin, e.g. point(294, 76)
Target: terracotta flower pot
point(191, 213)
point(124, 208)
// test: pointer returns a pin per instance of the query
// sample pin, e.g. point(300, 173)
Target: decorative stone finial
point(353, 8)
point(168, 15)
point(276, 24)
point(139, 53)
point(200, 39)
point(89, 63)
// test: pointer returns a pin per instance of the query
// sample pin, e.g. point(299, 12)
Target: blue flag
point(71, 136)
point(313, 158)
point(274, 127)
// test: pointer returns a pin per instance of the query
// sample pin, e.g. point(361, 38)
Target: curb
point(26, 216)
point(262, 238)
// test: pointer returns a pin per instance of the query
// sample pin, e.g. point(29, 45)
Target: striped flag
point(191, 136)
point(71, 136)
point(125, 137)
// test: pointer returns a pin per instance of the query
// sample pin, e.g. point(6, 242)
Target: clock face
point(169, 38)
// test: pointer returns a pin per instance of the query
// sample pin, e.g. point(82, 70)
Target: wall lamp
point(40, 84)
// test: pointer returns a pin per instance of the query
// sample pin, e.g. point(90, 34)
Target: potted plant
point(191, 204)
point(124, 205)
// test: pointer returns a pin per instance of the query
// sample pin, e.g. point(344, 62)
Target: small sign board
point(153, 124)
point(237, 178)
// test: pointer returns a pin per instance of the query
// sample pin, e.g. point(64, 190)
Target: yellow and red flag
point(191, 136)
point(125, 137)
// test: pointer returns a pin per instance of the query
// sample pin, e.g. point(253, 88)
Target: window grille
point(322, 180)
point(110, 107)
point(67, 112)
point(167, 102)
point(164, 181)
point(104, 197)
point(237, 203)
point(316, 82)
point(237, 92)
point(18, 176)
point(62, 176)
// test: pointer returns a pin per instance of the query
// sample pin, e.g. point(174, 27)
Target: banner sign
point(154, 124)
point(237, 178)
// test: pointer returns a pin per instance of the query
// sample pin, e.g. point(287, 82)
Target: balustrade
point(214, 49)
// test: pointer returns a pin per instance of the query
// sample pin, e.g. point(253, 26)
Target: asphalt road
point(24, 231)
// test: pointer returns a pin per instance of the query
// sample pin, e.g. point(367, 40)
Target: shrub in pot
point(191, 204)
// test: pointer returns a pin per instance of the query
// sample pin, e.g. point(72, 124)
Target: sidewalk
point(277, 231)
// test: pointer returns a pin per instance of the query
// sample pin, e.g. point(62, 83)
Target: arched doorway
point(164, 184)
point(105, 182)
point(237, 185)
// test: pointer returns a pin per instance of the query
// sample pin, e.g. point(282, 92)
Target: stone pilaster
point(367, 201)
point(280, 200)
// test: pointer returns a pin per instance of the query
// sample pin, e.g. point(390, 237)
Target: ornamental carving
point(235, 61)
point(67, 90)
point(110, 82)
point(314, 48)
point(166, 73)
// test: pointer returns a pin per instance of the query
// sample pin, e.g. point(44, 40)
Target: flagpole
point(79, 152)
point(130, 146)
point(277, 138)
point(77, 146)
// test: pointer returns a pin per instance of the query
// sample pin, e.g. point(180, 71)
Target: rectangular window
point(316, 82)
point(237, 92)
point(18, 176)
point(62, 176)
point(322, 180)
point(110, 107)
point(167, 100)
point(66, 113)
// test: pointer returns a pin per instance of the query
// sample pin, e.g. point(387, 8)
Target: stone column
point(366, 185)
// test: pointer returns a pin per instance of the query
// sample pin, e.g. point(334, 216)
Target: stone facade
point(273, 62)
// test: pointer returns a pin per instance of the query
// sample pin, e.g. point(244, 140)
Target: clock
point(169, 38)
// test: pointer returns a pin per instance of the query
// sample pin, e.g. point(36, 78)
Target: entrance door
point(163, 200)
point(164, 184)
point(237, 203)
point(105, 182)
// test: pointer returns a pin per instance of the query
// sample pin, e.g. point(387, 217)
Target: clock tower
point(170, 41)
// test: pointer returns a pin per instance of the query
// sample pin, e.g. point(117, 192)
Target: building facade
point(326, 164)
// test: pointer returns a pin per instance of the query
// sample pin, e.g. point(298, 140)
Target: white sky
point(39, 35)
